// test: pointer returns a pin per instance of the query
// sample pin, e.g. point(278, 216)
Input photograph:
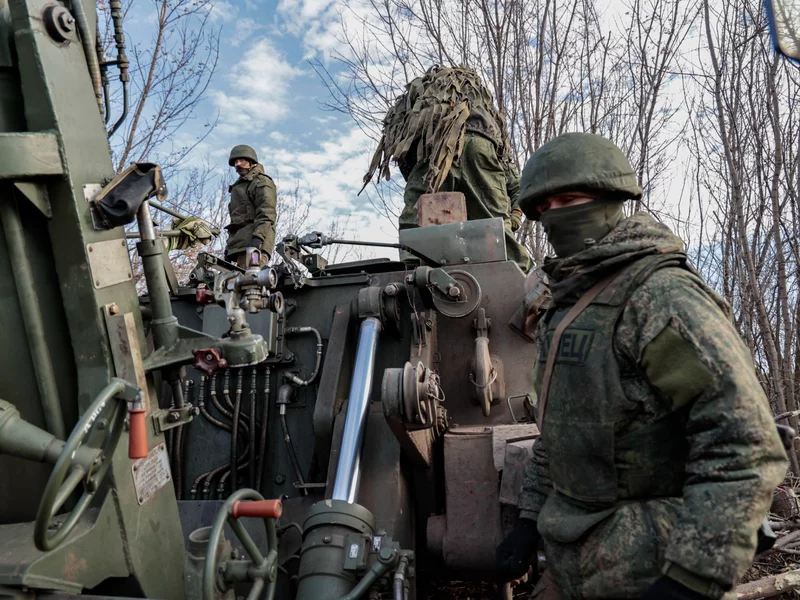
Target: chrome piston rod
point(348, 470)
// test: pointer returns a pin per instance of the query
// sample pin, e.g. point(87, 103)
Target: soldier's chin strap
point(119, 201)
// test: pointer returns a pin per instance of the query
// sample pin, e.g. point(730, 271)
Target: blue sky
point(267, 95)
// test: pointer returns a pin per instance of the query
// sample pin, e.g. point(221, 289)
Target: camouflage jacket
point(429, 121)
point(693, 451)
point(253, 212)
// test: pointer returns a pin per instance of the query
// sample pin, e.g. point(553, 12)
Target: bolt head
point(453, 291)
point(113, 309)
point(326, 539)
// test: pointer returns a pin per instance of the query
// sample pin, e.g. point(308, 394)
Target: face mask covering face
point(568, 228)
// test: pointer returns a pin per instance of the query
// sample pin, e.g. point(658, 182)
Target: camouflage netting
point(429, 122)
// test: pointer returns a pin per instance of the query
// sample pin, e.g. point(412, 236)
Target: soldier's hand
point(255, 243)
point(666, 588)
point(515, 553)
point(516, 219)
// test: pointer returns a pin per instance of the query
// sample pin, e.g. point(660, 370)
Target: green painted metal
point(60, 486)
point(32, 317)
point(29, 155)
point(53, 149)
point(266, 566)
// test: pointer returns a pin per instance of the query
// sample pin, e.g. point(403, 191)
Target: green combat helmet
point(242, 151)
point(575, 161)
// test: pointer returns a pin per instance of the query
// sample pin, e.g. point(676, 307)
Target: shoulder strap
point(573, 313)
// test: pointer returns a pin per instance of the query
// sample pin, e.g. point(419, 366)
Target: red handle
point(264, 509)
point(137, 441)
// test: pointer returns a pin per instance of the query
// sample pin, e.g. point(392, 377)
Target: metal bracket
point(164, 420)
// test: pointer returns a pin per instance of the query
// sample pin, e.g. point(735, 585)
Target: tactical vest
point(600, 449)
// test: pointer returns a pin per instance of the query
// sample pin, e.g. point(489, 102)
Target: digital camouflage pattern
point(576, 161)
point(489, 187)
point(253, 212)
point(658, 451)
point(429, 122)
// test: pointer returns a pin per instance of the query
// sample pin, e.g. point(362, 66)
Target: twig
point(769, 586)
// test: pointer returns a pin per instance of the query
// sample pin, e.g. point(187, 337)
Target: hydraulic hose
point(400, 579)
point(375, 573)
point(262, 446)
point(202, 403)
point(253, 380)
point(89, 51)
point(237, 407)
point(291, 376)
point(177, 438)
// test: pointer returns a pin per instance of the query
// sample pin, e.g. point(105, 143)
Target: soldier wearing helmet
point(658, 454)
point(252, 208)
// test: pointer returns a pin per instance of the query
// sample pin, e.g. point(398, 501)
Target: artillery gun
point(300, 431)
point(306, 430)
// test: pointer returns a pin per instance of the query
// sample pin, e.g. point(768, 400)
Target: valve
point(209, 361)
point(204, 296)
point(262, 570)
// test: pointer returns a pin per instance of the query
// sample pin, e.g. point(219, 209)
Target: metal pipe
point(290, 446)
point(164, 324)
point(135, 235)
point(178, 215)
point(348, 470)
point(32, 316)
point(293, 378)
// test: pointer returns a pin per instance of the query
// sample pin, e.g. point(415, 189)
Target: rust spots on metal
point(73, 567)
point(441, 208)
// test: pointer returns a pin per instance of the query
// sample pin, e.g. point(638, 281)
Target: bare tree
point(747, 161)
point(552, 67)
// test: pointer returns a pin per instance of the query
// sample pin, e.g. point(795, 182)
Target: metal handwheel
point(263, 570)
point(66, 476)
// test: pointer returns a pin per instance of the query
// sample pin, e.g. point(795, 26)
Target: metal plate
point(479, 241)
point(151, 473)
point(109, 262)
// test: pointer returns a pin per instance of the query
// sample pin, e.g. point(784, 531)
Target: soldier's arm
point(265, 200)
point(679, 333)
point(512, 186)
point(536, 484)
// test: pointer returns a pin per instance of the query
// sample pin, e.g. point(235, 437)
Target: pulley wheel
point(463, 304)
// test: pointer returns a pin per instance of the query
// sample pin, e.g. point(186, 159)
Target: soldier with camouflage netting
point(446, 136)
point(658, 454)
point(253, 208)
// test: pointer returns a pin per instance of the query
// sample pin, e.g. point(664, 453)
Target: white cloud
point(245, 28)
point(222, 11)
point(259, 93)
point(331, 172)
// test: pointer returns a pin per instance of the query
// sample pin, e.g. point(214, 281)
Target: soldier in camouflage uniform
point(446, 136)
point(658, 454)
point(252, 208)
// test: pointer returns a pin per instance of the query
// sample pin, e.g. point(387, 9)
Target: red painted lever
point(137, 441)
point(264, 509)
